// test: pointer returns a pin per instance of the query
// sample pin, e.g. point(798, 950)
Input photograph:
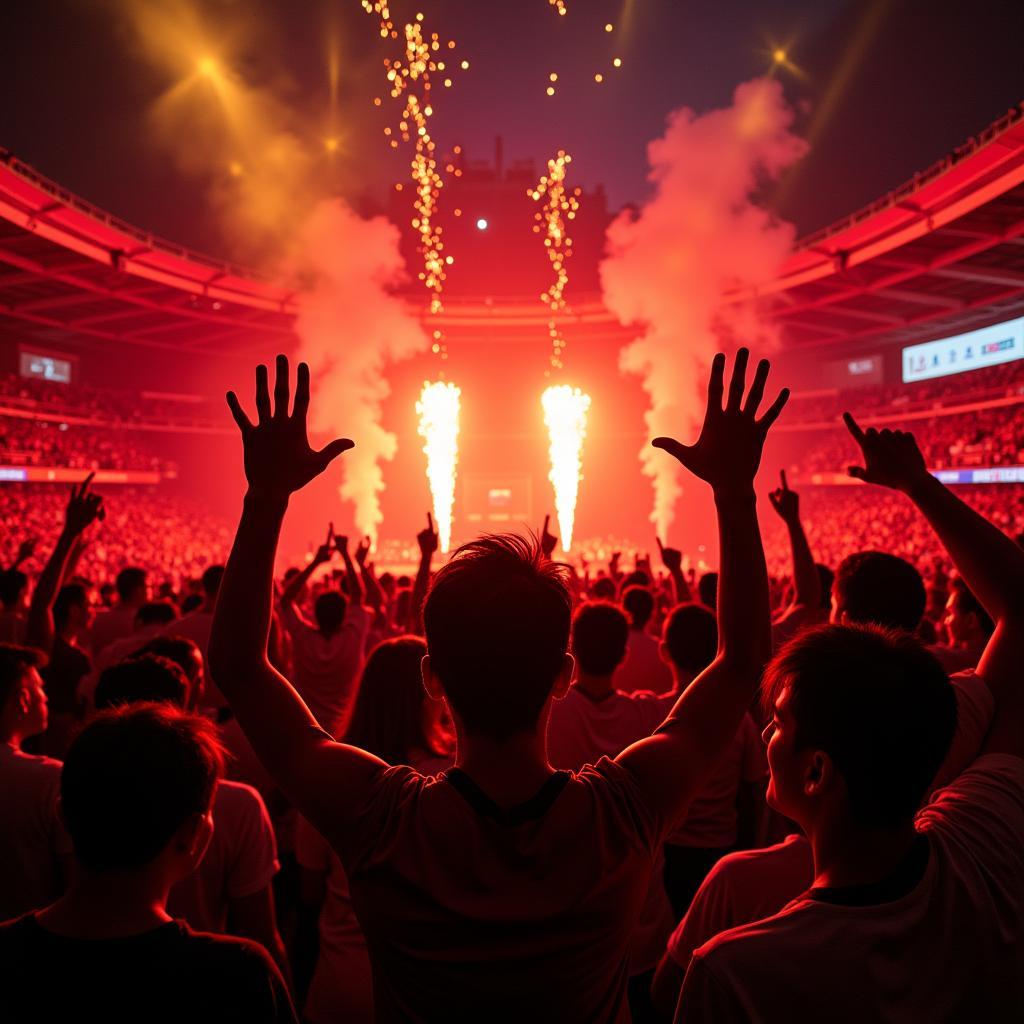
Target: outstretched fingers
point(301, 392)
point(673, 447)
point(716, 383)
point(756, 392)
point(782, 478)
point(331, 451)
point(282, 388)
point(739, 380)
point(238, 413)
point(854, 428)
point(262, 394)
point(774, 409)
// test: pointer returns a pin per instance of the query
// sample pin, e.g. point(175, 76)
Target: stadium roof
point(942, 254)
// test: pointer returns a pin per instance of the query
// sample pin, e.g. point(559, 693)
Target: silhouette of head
point(497, 619)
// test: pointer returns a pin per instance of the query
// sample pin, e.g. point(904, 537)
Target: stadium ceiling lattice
point(942, 254)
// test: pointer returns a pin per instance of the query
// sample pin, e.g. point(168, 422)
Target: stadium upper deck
point(942, 254)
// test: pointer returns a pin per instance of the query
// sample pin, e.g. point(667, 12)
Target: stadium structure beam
point(938, 261)
point(921, 318)
point(24, 263)
point(987, 275)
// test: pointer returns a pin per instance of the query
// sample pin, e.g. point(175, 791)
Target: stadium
point(512, 512)
point(907, 313)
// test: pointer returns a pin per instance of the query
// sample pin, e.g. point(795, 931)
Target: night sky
point(885, 88)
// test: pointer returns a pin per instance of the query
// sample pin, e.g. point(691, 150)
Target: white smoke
point(350, 329)
point(702, 234)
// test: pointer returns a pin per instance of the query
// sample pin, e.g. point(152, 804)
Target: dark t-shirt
point(168, 973)
point(62, 676)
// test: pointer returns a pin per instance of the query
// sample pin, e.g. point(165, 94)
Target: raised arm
point(673, 561)
point(322, 555)
point(356, 593)
point(548, 540)
point(806, 581)
point(671, 764)
point(83, 509)
point(991, 564)
point(371, 587)
point(321, 777)
point(428, 541)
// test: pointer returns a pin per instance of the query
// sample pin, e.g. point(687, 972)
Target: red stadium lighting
point(481, 224)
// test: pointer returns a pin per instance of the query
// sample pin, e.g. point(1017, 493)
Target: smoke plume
point(230, 116)
point(701, 235)
point(350, 327)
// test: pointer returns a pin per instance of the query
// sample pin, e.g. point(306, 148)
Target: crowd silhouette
point(505, 789)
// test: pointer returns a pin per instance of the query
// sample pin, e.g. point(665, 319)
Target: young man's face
point(960, 627)
point(34, 708)
point(785, 784)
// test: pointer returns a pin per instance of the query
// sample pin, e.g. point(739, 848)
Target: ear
point(194, 835)
point(819, 774)
point(564, 680)
point(435, 691)
point(663, 653)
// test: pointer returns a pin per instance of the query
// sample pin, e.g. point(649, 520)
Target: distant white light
point(481, 223)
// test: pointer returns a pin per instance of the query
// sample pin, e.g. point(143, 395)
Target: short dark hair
point(600, 632)
point(146, 677)
point(707, 590)
point(12, 584)
point(970, 605)
point(71, 595)
point(182, 650)
point(130, 580)
point(131, 779)
point(874, 586)
point(15, 661)
point(826, 577)
point(329, 610)
point(210, 580)
point(190, 602)
point(691, 636)
point(639, 604)
point(156, 613)
point(878, 703)
point(497, 619)
point(604, 589)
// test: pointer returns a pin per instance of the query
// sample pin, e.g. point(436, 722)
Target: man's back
point(472, 912)
point(326, 667)
point(643, 668)
point(240, 860)
point(942, 943)
point(168, 973)
point(33, 839)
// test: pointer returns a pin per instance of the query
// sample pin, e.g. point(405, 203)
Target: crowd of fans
point(173, 538)
point(980, 438)
point(504, 831)
point(43, 442)
point(113, 406)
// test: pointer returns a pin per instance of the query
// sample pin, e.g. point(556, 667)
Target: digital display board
point(989, 346)
point(45, 367)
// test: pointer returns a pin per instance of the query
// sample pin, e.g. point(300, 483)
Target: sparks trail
point(410, 79)
point(560, 207)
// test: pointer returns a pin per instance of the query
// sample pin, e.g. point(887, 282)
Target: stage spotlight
point(779, 55)
point(332, 144)
point(207, 67)
point(481, 223)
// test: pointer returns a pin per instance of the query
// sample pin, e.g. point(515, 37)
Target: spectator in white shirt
point(327, 654)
